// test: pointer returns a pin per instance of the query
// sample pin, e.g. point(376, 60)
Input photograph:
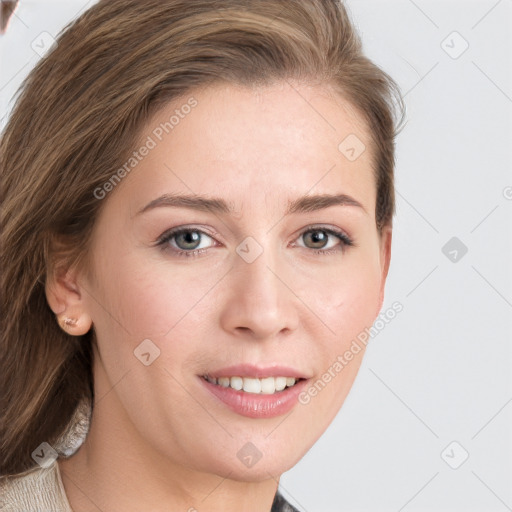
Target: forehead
point(260, 143)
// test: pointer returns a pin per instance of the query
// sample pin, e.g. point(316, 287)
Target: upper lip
point(259, 372)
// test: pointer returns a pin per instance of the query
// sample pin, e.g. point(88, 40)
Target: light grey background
point(440, 372)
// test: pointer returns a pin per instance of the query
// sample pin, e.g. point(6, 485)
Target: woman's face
point(260, 286)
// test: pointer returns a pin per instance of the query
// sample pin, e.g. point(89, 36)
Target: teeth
point(223, 381)
point(252, 385)
point(236, 383)
point(267, 385)
point(280, 383)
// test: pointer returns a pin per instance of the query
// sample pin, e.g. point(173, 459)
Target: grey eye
point(188, 240)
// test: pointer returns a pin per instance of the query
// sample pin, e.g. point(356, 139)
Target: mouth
point(255, 392)
point(255, 385)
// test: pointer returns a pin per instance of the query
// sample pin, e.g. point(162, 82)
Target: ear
point(66, 300)
point(385, 258)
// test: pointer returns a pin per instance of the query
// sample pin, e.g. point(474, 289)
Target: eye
point(191, 242)
point(185, 241)
point(324, 240)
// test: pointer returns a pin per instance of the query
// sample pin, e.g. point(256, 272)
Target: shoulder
point(37, 489)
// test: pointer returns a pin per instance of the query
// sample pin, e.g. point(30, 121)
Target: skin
point(158, 440)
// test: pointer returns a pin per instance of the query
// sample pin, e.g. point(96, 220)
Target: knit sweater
point(41, 490)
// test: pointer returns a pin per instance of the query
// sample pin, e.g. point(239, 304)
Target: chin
point(251, 464)
point(259, 472)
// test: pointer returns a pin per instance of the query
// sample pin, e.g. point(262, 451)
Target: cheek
point(143, 295)
point(151, 297)
point(347, 300)
point(347, 306)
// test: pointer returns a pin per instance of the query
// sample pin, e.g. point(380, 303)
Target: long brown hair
point(77, 118)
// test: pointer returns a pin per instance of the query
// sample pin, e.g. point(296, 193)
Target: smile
point(266, 385)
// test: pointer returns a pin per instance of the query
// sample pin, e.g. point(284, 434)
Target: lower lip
point(257, 405)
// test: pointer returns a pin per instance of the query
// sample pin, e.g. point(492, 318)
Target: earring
point(67, 323)
point(75, 326)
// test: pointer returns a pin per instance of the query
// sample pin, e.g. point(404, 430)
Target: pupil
point(318, 237)
point(190, 237)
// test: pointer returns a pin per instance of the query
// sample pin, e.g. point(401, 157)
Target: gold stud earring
point(67, 322)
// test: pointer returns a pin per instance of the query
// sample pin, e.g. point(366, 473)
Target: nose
point(259, 302)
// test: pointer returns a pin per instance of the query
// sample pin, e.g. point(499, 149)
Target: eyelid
point(326, 227)
point(344, 239)
point(185, 228)
point(335, 231)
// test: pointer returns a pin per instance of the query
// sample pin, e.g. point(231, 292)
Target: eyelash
point(166, 237)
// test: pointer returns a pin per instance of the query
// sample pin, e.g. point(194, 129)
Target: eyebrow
point(304, 204)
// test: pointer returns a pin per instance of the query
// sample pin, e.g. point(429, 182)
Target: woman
point(198, 201)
